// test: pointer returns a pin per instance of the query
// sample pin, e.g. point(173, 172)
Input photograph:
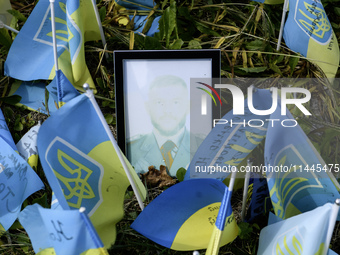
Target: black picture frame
point(129, 69)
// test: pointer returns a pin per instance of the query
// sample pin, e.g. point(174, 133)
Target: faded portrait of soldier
point(168, 143)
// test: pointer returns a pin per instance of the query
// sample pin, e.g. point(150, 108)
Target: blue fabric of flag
point(304, 183)
point(260, 202)
point(17, 181)
point(140, 20)
point(83, 167)
point(227, 145)
point(299, 21)
point(162, 220)
point(33, 96)
point(64, 230)
point(304, 234)
point(61, 89)
point(31, 54)
point(309, 32)
point(5, 134)
point(225, 210)
point(55, 203)
point(81, 114)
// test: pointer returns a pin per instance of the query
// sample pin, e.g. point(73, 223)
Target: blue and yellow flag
point(140, 20)
point(304, 234)
point(260, 203)
point(223, 217)
point(61, 231)
point(61, 89)
point(17, 181)
point(82, 166)
point(309, 32)
point(34, 96)
point(27, 146)
point(5, 134)
point(183, 217)
point(31, 54)
point(298, 178)
point(228, 144)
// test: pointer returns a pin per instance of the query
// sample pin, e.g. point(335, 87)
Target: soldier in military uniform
point(169, 142)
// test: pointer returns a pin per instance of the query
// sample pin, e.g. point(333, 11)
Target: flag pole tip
point(86, 86)
point(337, 201)
point(82, 209)
point(195, 253)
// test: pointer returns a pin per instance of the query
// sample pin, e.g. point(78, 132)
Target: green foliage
point(167, 23)
point(181, 173)
point(109, 118)
point(102, 13)
point(5, 39)
point(18, 15)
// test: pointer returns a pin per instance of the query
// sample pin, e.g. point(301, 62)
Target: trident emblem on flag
point(68, 33)
point(78, 175)
point(312, 19)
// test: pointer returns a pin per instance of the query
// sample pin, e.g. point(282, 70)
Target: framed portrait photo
point(155, 102)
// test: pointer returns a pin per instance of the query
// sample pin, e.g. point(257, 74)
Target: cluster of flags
point(82, 173)
point(31, 56)
point(89, 173)
point(316, 39)
point(92, 173)
point(308, 31)
point(296, 192)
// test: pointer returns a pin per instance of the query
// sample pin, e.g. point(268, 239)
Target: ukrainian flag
point(5, 134)
point(184, 216)
point(82, 166)
point(304, 234)
point(31, 54)
point(228, 144)
point(60, 231)
point(18, 181)
point(140, 20)
point(298, 178)
point(35, 97)
point(309, 32)
point(61, 89)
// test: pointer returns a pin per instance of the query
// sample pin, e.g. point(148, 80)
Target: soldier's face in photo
point(168, 107)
